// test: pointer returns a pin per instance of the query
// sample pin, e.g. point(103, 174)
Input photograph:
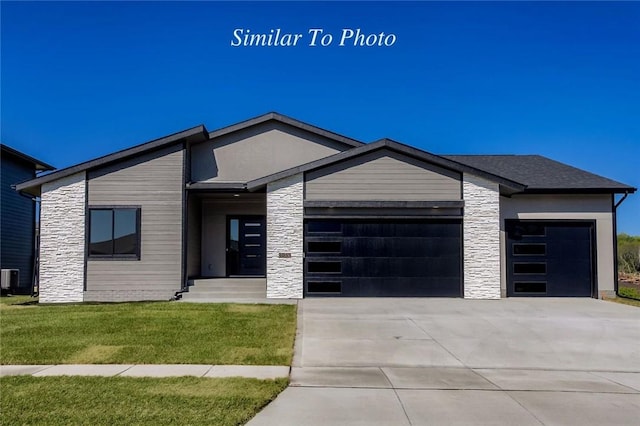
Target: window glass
point(529, 268)
point(324, 246)
point(532, 229)
point(530, 287)
point(324, 267)
point(125, 237)
point(324, 227)
point(234, 235)
point(530, 249)
point(324, 286)
point(114, 232)
point(100, 233)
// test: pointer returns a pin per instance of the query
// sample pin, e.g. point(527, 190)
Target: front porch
point(226, 247)
point(225, 234)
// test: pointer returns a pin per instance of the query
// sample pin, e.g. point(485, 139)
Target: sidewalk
point(406, 396)
point(148, 370)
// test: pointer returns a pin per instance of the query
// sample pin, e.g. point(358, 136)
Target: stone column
point(62, 239)
point(285, 234)
point(481, 244)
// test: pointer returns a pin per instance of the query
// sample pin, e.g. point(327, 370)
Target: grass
point(146, 333)
point(17, 300)
point(141, 401)
point(625, 301)
point(629, 292)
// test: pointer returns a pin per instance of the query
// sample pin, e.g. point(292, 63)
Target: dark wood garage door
point(550, 258)
point(384, 258)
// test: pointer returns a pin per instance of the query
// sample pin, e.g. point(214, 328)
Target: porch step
point(226, 288)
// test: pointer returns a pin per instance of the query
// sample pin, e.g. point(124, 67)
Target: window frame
point(135, 256)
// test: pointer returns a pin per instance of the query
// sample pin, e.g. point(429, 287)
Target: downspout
point(615, 239)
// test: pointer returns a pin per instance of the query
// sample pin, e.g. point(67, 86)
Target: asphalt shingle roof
point(540, 173)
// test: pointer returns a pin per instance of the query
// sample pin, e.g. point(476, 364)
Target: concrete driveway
point(460, 362)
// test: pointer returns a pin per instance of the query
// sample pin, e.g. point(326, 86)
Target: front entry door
point(246, 251)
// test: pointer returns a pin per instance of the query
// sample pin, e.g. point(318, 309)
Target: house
point(320, 214)
point(18, 216)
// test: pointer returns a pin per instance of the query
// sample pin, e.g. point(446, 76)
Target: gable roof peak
point(281, 118)
point(391, 143)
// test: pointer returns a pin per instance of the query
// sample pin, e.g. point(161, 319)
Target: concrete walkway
point(147, 370)
point(460, 362)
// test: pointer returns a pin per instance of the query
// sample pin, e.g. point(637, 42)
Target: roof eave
point(217, 186)
point(197, 132)
point(39, 165)
point(604, 190)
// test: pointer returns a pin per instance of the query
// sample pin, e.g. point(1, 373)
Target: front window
point(114, 232)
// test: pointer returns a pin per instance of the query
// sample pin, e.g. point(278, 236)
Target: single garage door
point(384, 258)
point(550, 258)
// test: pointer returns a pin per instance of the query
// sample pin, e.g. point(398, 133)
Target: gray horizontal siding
point(194, 235)
point(155, 182)
point(257, 152)
point(17, 215)
point(383, 176)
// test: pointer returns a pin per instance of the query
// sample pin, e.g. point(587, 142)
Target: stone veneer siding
point(285, 233)
point(481, 228)
point(62, 239)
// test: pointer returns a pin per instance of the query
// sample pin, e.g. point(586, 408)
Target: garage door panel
point(563, 249)
point(402, 230)
point(570, 279)
point(569, 249)
point(387, 258)
point(572, 267)
point(371, 267)
point(399, 247)
point(426, 247)
point(399, 287)
point(360, 246)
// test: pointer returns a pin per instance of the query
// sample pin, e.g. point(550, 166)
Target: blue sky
point(80, 80)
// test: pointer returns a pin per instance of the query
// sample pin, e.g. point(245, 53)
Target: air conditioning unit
point(9, 279)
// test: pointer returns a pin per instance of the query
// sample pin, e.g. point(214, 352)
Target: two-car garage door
point(423, 258)
point(388, 258)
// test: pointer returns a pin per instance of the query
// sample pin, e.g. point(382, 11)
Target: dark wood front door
point(246, 241)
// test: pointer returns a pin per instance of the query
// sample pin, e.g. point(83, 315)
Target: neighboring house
point(18, 215)
point(320, 214)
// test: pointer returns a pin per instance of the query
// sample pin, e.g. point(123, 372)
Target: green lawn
point(629, 292)
point(14, 300)
point(146, 333)
point(140, 401)
point(625, 301)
